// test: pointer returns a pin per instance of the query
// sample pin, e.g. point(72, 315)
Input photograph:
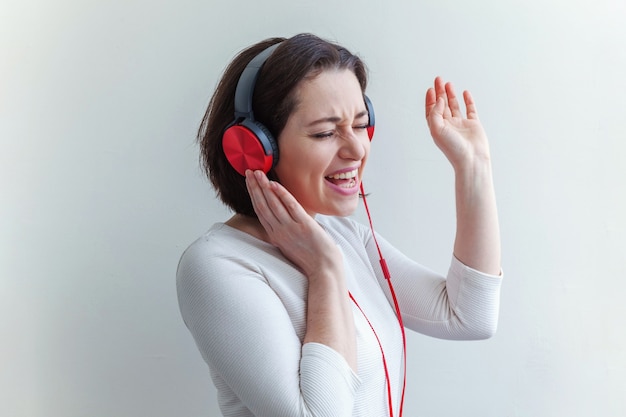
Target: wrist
point(474, 174)
point(478, 162)
point(326, 275)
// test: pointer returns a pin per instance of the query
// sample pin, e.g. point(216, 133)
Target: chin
point(342, 211)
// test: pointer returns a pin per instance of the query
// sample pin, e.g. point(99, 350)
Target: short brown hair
point(301, 57)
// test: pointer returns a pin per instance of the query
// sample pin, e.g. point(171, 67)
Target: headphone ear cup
point(249, 145)
point(370, 132)
point(371, 124)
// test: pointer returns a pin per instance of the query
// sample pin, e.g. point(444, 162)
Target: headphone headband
point(247, 81)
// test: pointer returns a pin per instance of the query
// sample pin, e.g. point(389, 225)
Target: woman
point(287, 300)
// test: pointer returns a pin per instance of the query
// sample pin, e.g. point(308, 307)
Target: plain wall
point(101, 191)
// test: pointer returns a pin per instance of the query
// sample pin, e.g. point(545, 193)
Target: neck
point(250, 225)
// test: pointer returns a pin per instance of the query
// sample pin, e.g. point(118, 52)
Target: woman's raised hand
point(460, 137)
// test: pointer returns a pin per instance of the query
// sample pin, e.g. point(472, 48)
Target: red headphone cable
point(387, 275)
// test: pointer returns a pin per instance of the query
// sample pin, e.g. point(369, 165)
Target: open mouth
point(344, 179)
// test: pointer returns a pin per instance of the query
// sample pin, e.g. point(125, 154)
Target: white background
point(101, 191)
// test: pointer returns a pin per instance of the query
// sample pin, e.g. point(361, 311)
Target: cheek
point(301, 161)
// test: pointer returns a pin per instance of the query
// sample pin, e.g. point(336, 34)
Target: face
point(324, 145)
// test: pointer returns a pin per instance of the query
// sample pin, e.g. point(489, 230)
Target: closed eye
point(323, 135)
point(330, 133)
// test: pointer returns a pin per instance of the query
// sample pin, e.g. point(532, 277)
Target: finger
point(260, 203)
point(452, 101)
point(431, 100)
point(470, 106)
point(440, 91)
point(289, 202)
point(276, 209)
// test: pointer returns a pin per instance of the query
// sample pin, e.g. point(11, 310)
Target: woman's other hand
point(460, 137)
point(299, 237)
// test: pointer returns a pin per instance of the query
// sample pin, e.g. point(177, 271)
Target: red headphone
point(247, 143)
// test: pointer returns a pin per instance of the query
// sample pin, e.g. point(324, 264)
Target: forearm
point(477, 242)
point(329, 315)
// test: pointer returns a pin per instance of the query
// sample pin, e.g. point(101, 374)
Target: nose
point(354, 144)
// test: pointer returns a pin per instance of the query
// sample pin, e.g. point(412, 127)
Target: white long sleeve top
point(245, 305)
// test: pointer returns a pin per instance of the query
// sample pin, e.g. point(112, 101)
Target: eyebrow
point(335, 119)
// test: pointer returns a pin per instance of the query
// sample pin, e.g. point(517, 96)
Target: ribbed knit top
point(245, 305)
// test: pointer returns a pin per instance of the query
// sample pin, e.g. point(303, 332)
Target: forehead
point(329, 88)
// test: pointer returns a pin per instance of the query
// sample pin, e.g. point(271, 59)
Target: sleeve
point(463, 305)
point(245, 335)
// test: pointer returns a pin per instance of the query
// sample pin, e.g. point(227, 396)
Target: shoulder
point(214, 243)
point(222, 239)
point(221, 251)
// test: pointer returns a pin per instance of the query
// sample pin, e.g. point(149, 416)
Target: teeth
point(345, 175)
